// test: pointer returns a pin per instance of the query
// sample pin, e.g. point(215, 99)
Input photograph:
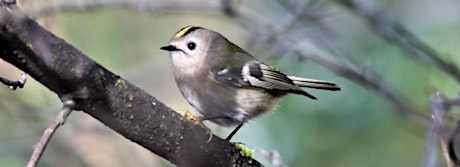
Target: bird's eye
point(191, 45)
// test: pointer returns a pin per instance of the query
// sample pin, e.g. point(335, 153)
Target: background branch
point(435, 137)
point(392, 31)
point(341, 65)
point(451, 143)
point(40, 147)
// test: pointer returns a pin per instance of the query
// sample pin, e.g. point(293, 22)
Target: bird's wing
point(230, 76)
point(258, 75)
point(314, 83)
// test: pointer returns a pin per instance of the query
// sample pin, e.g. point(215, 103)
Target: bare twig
point(433, 137)
point(40, 147)
point(453, 157)
point(451, 145)
point(445, 152)
point(392, 31)
point(436, 134)
point(140, 6)
point(15, 84)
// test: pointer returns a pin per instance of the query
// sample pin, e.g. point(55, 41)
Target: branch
point(140, 6)
point(120, 105)
point(435, 136)
point(15, 84)
point(451, 145)
point(392, 31)
point(451, 142)
point(40, 147)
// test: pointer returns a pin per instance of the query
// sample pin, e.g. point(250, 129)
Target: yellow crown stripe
point(185, 30)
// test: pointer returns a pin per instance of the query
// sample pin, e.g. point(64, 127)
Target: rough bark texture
point(118, 104)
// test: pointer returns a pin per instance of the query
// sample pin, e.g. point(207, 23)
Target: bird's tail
point(313, 83)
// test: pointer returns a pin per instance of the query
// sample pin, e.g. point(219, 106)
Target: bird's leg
point(229, 137)
point(199, 121)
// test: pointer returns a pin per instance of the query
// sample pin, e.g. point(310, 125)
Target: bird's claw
point(199, 121)
point(193, 118)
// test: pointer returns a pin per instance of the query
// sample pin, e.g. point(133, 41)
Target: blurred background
point(356, 127)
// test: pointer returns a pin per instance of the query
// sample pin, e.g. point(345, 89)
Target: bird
point(224, 83)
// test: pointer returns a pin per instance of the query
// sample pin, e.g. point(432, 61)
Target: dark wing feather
point(230, 76)
point(314, 83)
point(258, 75)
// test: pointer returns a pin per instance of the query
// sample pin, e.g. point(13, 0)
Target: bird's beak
point(169, 48)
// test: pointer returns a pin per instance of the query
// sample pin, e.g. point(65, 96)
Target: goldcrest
point(226, 84)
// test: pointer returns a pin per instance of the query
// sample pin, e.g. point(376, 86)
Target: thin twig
point(435, 137)
point(431, 143)
point(389, 29)
point(140, 6)
point(453, 157)
point(40, 147)
point(13, 85)
point(451, 145)
point(446, 152)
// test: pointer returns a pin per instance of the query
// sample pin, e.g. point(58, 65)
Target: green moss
point(98, 78)
point(245, 151)
point(120, 83)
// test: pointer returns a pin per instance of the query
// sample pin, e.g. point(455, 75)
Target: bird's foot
point(199, 121)
point(193, 118)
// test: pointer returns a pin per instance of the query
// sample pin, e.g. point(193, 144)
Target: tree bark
point(118, 104)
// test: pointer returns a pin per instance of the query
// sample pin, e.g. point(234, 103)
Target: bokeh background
point(356, 127)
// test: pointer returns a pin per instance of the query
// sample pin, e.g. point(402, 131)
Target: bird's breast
point(187, 65)
point(233, 104)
